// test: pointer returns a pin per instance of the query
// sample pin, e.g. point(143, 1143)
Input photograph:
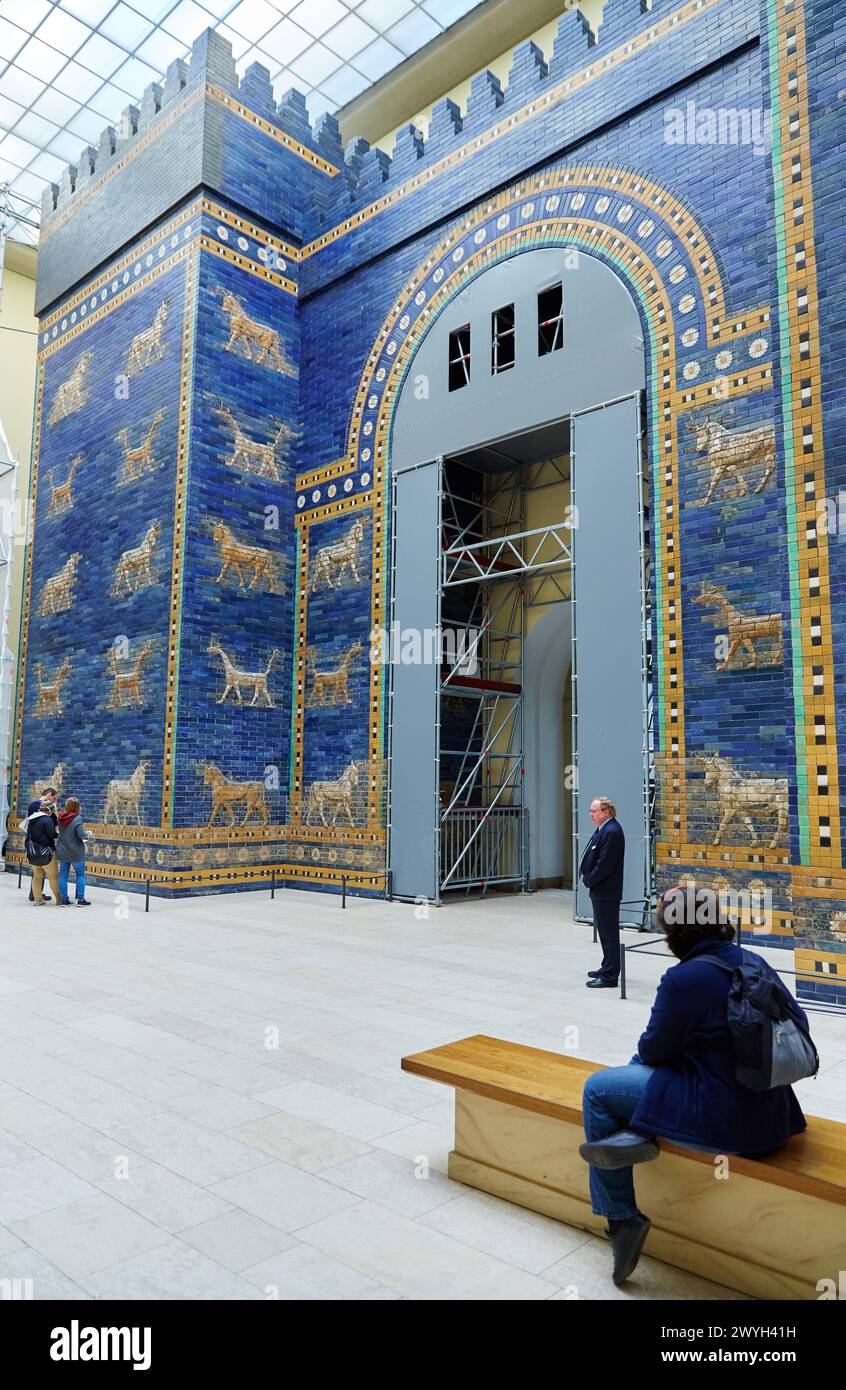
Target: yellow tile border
point(370, 879)
point(249, 267)
point(303, 522)
point(167, 229)
point(242, 224)
point(806, 414)
point(741, 382)
point(183, 453)
point(270, 129)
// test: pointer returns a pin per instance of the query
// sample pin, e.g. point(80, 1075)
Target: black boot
point(627, 1238)
point(619, 1150)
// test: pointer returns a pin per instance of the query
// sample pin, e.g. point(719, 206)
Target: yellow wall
point(18, 343)
point(500, 67)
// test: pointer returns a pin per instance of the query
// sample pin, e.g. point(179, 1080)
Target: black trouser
point(606, 918)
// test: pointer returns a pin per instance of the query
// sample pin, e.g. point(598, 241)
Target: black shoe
point(82, 902)
point(619, 1150)
point(594, 974)
point(627, 1239)
point(47, 898)
point(64, 902)
point(601, 983)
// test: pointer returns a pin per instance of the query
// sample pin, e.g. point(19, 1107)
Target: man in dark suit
point(601, 871)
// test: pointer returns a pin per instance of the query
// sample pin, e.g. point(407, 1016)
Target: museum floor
point(207, 1102)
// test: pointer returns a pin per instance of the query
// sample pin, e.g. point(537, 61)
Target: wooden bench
point(772, 1228)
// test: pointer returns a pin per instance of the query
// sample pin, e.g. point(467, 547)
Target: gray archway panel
point(609, 693)
point(601, 360)
point(546, 668)
point(414, 701)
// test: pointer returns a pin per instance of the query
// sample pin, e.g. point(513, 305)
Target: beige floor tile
point(87, 1235)
point(152, 1045)
point(237, 1239)
point(31, 1275)
point(394, 1182)
point(520, 1237)
point(284, 1196)
point(417, 1262)
point(163, 1197)
point(171, 1271)
point(192, 1150)
point(303, 1273)
point(301, 1142)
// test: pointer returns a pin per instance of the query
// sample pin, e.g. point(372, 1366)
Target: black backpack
point(40, 854)
point(770, 1038)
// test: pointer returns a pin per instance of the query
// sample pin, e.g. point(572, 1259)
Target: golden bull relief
point(738, 797)
point(231, 797)
point(138, 459)
point(247, 336)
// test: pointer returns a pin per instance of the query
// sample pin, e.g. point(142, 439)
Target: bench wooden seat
point(772, 1228)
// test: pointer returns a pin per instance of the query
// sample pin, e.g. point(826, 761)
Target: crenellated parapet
point(211, 73)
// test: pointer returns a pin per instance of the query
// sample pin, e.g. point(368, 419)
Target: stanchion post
point(343, 890)
point(20, 872)
point(622, 966)
point(273, 885)
point(147, 895)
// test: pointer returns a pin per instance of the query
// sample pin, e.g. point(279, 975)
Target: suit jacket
point(601, 869)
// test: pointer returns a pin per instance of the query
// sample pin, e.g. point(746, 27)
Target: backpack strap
point(720, 964)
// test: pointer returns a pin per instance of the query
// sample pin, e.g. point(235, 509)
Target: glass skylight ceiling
point(69, 67)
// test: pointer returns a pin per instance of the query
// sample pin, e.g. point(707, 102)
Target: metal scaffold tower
point(491, 568)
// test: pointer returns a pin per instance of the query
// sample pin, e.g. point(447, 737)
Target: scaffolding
point(491, 568)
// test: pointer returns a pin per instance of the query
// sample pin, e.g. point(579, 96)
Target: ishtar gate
point(552, 379)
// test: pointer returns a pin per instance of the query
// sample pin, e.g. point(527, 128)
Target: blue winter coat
point(693, 1096)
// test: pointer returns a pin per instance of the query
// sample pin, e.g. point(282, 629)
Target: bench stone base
point(764, 1240)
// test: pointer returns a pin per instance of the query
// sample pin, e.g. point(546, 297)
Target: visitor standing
point(601, 871)
point(40, 841)
point(70, 852)
point(48, 795)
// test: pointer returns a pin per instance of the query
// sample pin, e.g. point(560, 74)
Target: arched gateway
point(518, 506)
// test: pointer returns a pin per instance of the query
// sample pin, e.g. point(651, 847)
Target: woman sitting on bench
point(680, 1084)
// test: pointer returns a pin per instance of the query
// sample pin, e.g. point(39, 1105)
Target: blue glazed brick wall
point(251, 494)
point(341, 254)
point(113, 506)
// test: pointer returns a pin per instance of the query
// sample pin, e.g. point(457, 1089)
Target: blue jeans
point(79, 875)
point(609, 1100)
